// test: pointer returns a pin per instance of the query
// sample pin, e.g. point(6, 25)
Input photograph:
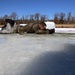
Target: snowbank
point(64, 30)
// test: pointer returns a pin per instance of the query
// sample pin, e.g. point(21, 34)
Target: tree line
point(59, 18)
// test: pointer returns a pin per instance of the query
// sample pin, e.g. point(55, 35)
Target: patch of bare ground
point(65, 26)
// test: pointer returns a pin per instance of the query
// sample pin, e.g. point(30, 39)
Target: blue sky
point(47, 7)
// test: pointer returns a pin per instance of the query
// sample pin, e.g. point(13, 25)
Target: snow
point(64, 30)
point(32, 54)
point(23, 24)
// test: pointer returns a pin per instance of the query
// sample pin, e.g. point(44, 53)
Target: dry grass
point(65, 25)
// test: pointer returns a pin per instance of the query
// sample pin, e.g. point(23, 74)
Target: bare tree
point(62, 17)
point(5, 16)
point(31, 17)
point(23, 19)
point(26, 17)
point(56, 18)
point(69, 17)
point(37, 16)
point(73, 20)
point(43, 17)
point(13, 16)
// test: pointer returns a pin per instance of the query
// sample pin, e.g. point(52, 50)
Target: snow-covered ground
point(64, 30)
point(32, 54)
